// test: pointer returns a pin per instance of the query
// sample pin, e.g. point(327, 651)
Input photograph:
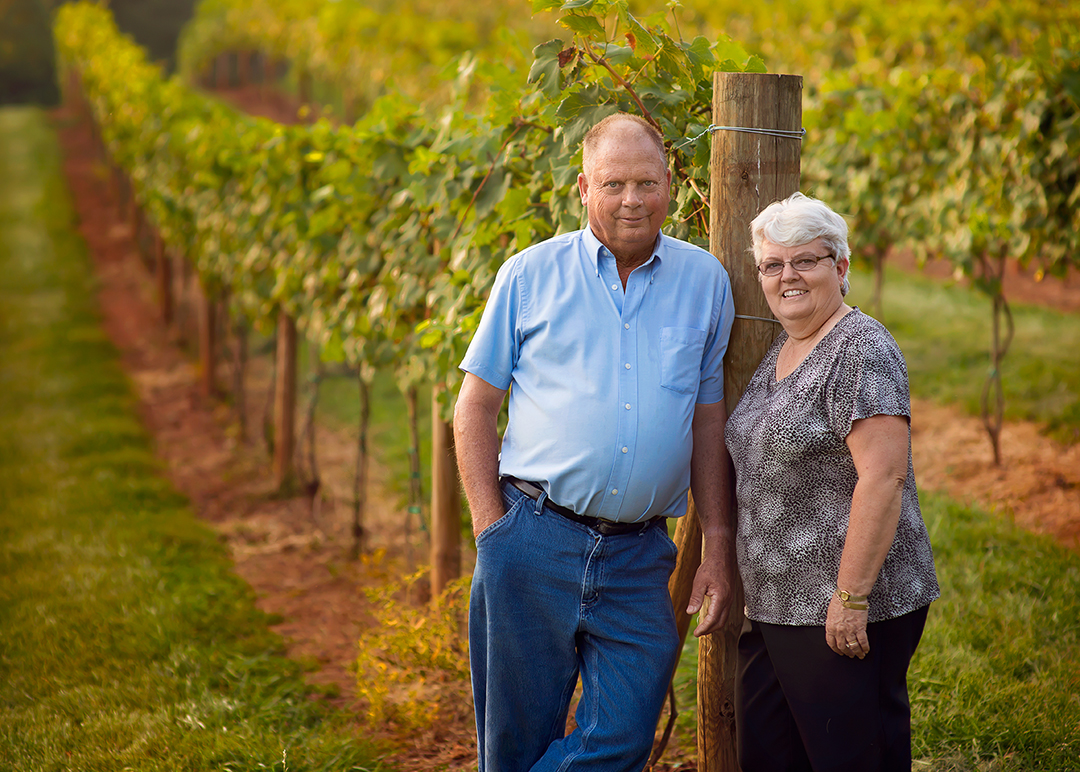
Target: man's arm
point(710, 482)
point(476, 441)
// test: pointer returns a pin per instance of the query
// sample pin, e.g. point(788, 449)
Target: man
point(610, 341)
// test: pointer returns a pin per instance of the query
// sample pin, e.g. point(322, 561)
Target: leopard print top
point(795, 478)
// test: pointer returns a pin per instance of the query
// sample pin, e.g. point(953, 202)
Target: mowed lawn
point(126, 642)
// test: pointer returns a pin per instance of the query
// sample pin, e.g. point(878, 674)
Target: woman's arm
point(879, 448)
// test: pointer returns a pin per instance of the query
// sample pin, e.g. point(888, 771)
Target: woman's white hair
point(799, 219)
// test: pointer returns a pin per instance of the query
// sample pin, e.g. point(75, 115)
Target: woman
point(834, 555)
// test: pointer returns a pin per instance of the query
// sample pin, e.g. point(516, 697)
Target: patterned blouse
point(795, 478)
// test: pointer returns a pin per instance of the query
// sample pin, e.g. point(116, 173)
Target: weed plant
point(413, 668)
point(128, 642)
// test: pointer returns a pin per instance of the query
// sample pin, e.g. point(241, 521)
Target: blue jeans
point(552, 600)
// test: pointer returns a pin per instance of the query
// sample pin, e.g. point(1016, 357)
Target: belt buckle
point(609, 527)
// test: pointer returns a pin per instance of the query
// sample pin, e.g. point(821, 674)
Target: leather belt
point(603, 527)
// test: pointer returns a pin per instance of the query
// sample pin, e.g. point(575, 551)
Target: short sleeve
point(870, 379)
point(711, 388)
point(493, 351)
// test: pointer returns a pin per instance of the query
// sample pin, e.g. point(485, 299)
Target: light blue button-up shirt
point(603, 382)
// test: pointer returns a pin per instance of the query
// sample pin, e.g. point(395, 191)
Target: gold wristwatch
point(854, 602)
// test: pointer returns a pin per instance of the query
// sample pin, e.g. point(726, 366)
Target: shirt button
point(627, 365)
point(614, 286)
point(626, 326)
point(614, 491)
point(626, 450)
point(627, 405)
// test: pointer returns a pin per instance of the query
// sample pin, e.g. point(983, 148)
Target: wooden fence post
point(222, 76)
point(268, 75)
point(349, 106)
point(207, 333)
point(305, 86)
point(186, 296)
point(688, 539)
point(445, 503)
point(285, 400)
point(749, 172)
point(243, 67)
point(163, 271)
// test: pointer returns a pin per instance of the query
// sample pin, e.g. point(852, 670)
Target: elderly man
point(610, 341)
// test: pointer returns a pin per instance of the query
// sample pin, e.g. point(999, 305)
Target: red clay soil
point(297, 560)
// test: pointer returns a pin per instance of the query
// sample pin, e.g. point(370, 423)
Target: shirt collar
point(595, 249)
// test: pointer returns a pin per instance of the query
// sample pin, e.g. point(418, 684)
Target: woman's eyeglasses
point(801, 264)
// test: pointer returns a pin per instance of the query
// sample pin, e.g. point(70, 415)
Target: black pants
point(801, 707)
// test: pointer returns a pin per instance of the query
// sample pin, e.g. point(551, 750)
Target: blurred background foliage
point(27, 54)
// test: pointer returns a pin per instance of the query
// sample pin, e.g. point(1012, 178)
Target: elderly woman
point(834, 555)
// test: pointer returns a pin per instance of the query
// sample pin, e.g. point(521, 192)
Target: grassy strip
point(998, 672)
point(128, 643)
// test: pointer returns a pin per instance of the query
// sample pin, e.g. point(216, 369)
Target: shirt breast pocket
point(680, 358)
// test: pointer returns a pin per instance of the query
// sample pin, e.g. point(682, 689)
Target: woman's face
point(804, 298)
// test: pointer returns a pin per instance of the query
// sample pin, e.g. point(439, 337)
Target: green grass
point(944, 331)
point(127, 641)
point(998, 671)
point(389, 429)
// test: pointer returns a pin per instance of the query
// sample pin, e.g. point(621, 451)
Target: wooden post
point(221, 71)
point(116, 186)
point(689, 540)
point(163, 269)
point(243, 67)
point(207, 338)
point(268, 75)
point(349, 104)
point(240, 360)
point(445, 503)
point(185, 296)
point(749, 172)
point(285, 401)
point(305, 86)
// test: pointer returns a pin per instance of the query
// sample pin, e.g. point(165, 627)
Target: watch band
point(854, 602)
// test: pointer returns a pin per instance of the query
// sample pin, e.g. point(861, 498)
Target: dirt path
point(1037, 486)
point(296, 561)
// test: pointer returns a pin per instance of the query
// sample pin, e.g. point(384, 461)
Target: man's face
point(626, 189)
